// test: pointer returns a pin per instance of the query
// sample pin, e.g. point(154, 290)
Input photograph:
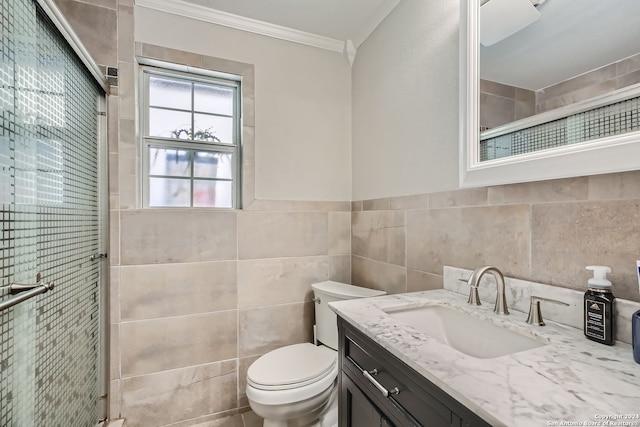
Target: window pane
point(213, 165)
point(213, 128)
point(213, 99)
point(169, 161)
point(164, 92)
point(169, 124)
point(212, 194)
point(169, 192)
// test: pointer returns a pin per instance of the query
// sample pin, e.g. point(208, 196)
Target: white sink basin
point(468, 334)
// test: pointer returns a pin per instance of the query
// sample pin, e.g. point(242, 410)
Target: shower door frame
point(55, 17)
point(65, 29)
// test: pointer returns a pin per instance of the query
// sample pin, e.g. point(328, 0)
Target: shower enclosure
point(52, 124)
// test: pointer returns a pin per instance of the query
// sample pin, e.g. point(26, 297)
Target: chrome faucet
point(474, 282)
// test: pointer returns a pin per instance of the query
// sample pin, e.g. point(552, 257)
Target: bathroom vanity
point(397, 372)
point(378, 389)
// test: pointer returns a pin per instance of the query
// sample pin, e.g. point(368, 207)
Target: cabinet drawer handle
point(376, 384)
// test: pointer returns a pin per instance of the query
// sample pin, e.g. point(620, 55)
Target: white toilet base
point(309, 413)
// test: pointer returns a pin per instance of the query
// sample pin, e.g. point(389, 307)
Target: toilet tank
point(326, 319)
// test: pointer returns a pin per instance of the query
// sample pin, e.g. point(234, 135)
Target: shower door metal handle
point(26, 292)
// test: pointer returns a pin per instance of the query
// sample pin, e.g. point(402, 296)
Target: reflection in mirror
point(570, 74)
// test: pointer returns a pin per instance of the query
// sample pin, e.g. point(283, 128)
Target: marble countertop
point(569, 381)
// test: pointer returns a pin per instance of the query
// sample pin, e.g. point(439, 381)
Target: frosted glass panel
point(213, 165)
point(50, 207)
point(214, 194)
point(213, 128)
point(169, 93)
point(169, 124)
point(169, 192)
point(213, 99)
point(169, 162)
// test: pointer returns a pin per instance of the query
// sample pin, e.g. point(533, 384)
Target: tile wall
point(597, 82)
point(501, 104)
point(544, 232)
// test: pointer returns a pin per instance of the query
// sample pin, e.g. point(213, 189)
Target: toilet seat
point(303, 378)
point(291, 367)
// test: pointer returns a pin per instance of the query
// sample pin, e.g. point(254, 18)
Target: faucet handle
point(535, 315)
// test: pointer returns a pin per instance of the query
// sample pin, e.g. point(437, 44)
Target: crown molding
point(194, 11)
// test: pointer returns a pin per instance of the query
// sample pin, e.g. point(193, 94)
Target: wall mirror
point(557, 97)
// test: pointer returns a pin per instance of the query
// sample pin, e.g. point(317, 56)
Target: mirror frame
point(618, 153)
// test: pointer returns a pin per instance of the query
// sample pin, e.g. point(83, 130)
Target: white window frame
point(193, 76)
point(618, 153)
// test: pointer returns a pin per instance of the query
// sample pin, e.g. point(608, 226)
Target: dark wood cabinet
point(378, 389)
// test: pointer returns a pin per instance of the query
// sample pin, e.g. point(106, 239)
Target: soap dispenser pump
point(599, 307)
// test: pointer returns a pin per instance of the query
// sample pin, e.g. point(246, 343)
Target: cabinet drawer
point(418, 402)
point(400, 390)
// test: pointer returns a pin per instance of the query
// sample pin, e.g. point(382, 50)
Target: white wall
point(302, 104)
point(405, 103)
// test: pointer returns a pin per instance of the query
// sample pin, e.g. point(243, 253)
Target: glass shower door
point(50, 124)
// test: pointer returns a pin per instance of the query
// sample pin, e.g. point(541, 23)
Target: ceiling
point(571, 38)
point(336, 19)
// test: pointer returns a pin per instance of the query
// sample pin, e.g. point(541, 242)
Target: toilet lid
point(292, 366)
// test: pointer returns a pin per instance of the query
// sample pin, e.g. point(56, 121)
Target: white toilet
point(296, 385)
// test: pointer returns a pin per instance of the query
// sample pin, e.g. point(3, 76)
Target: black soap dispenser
point(599, 307)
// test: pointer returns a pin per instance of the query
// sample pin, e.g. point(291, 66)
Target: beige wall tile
point(114, 351)
point(421, 281)
point(418, 201)
point(167, 236)
point(578, 84)
point(114, 399)
point(469, 238)
point(248, 185)
point(171, 55)
point(615, 186)
point(248, 144)
point(113, 123)
point(498, 89)
point(558, 190)
point(125, 33)
point(243, 366)
point(114, 238)
point(264, 329)
point(456, 198)
point(282, 234)
point(379, 235)
point(127, 90)
point(598, 88)
point(356, 206)
point(496, 111)
point(279, 280)
point(127, 187)
point(375, 205)
point(167, 397)
point(628, 79)
point(152, 291)
point(340, 268)
point(127, 132)
point(567, 237)
point(96, 26)
point(340, 233)
point(378, 275)
point(174, 342)
point(628, 65)
point(114, 294)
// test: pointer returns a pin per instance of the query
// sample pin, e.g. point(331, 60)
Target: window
point(190, 140)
